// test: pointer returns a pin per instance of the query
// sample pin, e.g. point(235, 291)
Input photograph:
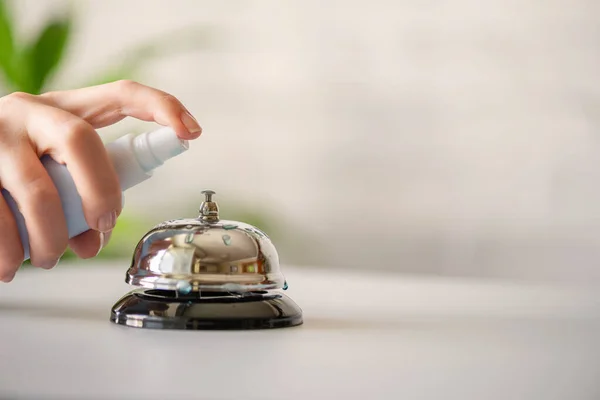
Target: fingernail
point(7, 279)
point(50, 264)
point(104, 239)
point(107, 222)
point(101, 246)
point(190, 123)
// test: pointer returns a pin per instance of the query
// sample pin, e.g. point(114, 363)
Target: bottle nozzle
point(156, 147)
point(136, 157)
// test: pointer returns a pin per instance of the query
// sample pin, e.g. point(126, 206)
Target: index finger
point(107, 104)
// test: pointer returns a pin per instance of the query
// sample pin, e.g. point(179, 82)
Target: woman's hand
point(62, 124)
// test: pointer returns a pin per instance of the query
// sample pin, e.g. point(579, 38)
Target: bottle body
point(134, 159)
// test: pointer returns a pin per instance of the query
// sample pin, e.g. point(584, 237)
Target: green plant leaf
point(7, 47)
point(6, 33)
point(47, 52)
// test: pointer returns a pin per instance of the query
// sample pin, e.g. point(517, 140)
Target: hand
point(62, 124)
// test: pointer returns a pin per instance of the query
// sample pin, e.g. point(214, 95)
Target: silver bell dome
point(205, 254)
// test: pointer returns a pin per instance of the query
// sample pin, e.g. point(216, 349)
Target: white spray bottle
point(134, 159)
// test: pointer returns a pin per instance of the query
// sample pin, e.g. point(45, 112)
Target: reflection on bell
point(206, 273)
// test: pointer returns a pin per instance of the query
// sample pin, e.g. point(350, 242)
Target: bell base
point(159, 309)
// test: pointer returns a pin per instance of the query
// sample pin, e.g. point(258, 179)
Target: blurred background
point(425, 137)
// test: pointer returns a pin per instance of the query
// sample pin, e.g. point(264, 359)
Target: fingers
point(11, 251)
point(74, 142)
point(107, 104)
point(89, 244)
point(62, 125)
point(23, 175)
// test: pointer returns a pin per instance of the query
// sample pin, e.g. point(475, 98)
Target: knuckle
point(48, 96)
point(170, 101)
point(10, 124)
point(115, 197)
point(16, 97)
point(110, 198)
point(39, 194)
point(76, 132)
point(11, 100)
point(126, 85)
point(20, 96)
point(39, 189)
point(113, 190)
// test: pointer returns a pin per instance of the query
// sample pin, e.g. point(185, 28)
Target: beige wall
point(437, 136)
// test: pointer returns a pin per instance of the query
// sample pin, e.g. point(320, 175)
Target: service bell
point(206, 273)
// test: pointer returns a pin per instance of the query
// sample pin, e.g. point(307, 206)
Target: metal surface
point(206, 254)
point(156, 309)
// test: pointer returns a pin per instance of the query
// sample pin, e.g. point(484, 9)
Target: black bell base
point(159, 309)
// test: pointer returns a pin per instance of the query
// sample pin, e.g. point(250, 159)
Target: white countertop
point(364, 337)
